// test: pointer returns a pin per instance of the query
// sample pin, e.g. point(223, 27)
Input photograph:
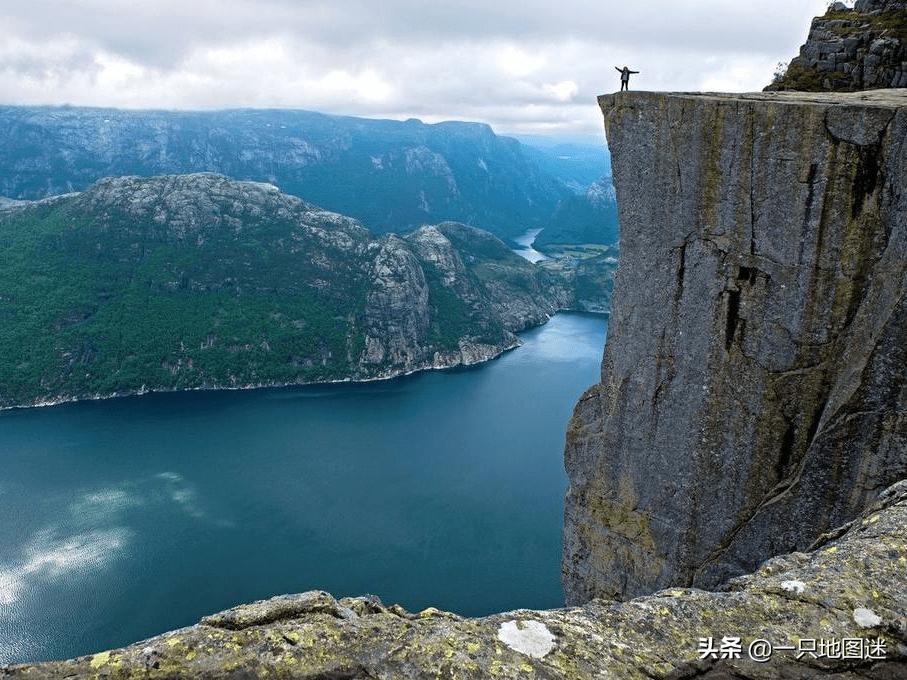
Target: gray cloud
point(530, 66)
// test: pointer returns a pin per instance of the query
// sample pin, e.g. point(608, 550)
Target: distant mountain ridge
point(391, 175)
point(589, 214)
point(576, 165)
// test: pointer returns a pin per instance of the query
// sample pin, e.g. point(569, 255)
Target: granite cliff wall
point(754, 382)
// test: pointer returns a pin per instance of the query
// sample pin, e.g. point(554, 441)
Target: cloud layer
point(527, 66)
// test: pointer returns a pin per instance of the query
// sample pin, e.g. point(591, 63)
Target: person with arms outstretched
point(624, 77)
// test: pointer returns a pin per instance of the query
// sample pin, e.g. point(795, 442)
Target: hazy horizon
point(523, 68)
point(541, 140)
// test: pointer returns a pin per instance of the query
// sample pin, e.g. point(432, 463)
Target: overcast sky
point(531, 66)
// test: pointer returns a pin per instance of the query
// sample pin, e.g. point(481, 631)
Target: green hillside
point(182, 282)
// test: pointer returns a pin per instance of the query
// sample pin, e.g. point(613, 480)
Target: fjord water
point(126, 518)
point(525, 250)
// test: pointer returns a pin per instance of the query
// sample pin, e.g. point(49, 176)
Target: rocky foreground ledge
point(851, 585)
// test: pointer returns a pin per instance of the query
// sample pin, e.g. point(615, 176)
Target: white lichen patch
point(866, 618)
point(793, 586)
point(531, 638)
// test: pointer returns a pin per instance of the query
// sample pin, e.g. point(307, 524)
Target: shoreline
point(61, 401)
point(142, 391)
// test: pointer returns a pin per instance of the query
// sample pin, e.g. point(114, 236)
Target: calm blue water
point(122, 519)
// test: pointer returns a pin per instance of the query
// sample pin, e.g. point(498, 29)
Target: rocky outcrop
point(9, 203)
point(850, 585)
point(513, 289)
point(754, 382)
point(587, 273)
point(862, 48)
point(397, 314)
point(199, 282)
point(450, 295)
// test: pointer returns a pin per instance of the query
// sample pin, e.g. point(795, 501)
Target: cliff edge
point(754, 381)
point(850, 586)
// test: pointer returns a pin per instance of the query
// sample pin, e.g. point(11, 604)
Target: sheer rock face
point(754, 382)
point(852, 49)
point(397, 313)
point(848, 586)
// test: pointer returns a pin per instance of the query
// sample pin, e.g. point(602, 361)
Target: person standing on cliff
point(624, 77)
